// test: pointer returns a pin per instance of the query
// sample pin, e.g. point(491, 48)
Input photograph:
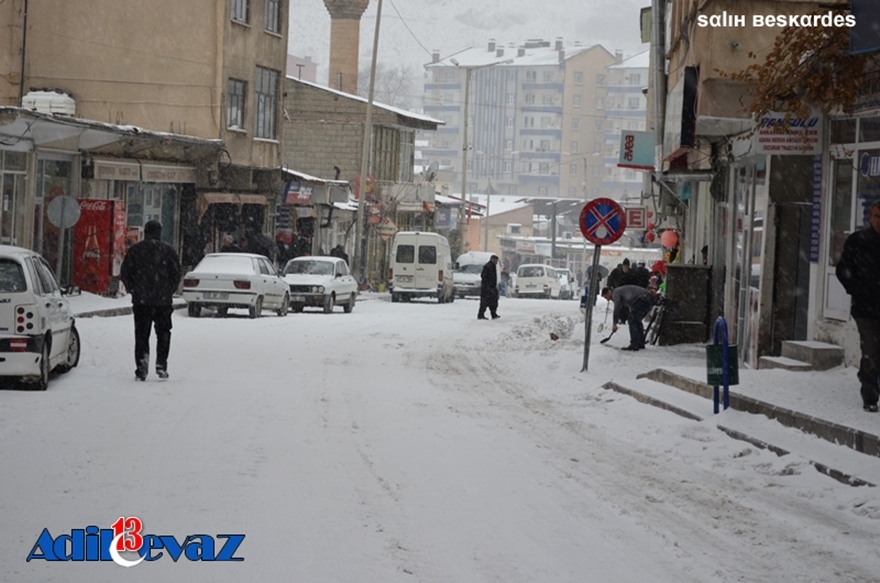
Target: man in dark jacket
point(859, 272)
point(635, 300)
point(151, 274)
point(489, 289)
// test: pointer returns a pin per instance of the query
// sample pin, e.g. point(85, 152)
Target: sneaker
point(870, 408)
point(161, 373)
point(495, 316)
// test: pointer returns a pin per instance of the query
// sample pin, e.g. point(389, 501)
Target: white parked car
point(568, 286)
point(322, 282)
point(235, 280)
point(37, 330)
point(537, 281)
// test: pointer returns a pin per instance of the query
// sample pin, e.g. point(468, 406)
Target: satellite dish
point(431, 172)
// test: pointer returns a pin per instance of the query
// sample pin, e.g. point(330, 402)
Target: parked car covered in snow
point(37, 330)
point(235, 280)
point(568, 286)
point(322, 282)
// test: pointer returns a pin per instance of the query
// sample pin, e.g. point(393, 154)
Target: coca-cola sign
point(95, 205)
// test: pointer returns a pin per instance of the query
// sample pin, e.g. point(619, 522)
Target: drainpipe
point(658, 54)
point(23, 52)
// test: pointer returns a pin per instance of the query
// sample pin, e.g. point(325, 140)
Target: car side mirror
point(71, 290)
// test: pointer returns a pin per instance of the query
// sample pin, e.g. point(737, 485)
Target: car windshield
point(309, 268)
point(236, 264)
point(472, 268)
point(11, 277)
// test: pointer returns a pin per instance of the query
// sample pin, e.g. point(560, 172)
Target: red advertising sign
point(98, 244)
point(636, 217)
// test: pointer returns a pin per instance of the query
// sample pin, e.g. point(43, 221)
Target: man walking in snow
point(638, 301)
point(489, 289)
point(859, 272)
point(151, 273)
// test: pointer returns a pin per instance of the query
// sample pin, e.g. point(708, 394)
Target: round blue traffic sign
point(602, 221)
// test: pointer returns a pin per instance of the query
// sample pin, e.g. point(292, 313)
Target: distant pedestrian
point(151, 273)
point(489, 289)
point(340, 252)
point(641, 276)
point(631, 304)
point(859, 272)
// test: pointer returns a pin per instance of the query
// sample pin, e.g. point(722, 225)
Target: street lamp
point(464, 134)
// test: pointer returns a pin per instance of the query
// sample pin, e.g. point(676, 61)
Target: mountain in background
point(449, 26)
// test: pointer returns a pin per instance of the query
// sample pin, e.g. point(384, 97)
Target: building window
point(547, 99)
point(508, 166)
point(544, 168)
point(597, 147)
point(578, 78)
point(531, 76)
point(240, 11)
point(575, 146)
point(545, 145)
point(633, 103)
point(572, 191)
point(635, 79)
point(572, 169)
point(546, 122)
point(530, 98)
point(272, 16)
point(542, 191)
point(508, 121)
point(600, 80)
point(599, 125)
point(237, 90)
point(508, 144)
point(548, 76)
point(266, 90)
point(511, 189)
point(511, 99)
point(600, 103)
point(576, 100)
point(575, 123)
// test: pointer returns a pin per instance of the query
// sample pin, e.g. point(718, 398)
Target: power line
point(408, 28)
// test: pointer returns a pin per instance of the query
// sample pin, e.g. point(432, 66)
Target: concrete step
point(820, 355)
point(783, 362)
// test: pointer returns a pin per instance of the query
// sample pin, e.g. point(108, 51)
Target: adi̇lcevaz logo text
point(125, 536)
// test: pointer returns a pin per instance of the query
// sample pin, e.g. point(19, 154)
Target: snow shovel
point(601, 326)
point(604, 340)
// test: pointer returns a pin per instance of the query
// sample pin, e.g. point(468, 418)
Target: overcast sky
point(411, 29)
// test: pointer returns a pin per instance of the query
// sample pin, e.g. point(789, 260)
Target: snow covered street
point(409, 442)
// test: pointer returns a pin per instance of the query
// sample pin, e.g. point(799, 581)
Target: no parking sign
point(602, 221)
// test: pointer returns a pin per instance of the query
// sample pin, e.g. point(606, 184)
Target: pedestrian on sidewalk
point(151, 273)
point(859, 272)
point(635, 300)
point(489, 289)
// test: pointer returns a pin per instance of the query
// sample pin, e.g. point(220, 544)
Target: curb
point(840, 476)
point(111, 312)
point(854, 439)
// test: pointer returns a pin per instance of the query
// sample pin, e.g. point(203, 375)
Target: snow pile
point(539, 329)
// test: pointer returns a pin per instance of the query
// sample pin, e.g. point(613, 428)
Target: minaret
point(345, 32)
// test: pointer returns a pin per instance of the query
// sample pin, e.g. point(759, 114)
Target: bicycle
point(655, 319)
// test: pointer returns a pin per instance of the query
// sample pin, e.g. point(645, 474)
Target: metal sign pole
point(588, 308)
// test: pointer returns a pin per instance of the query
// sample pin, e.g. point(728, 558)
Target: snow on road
point(409, 442)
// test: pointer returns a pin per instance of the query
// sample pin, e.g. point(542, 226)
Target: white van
point(534, 280)
point(421, 267)
point(467, 271)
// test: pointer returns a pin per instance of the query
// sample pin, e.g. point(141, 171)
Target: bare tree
point(394, 85)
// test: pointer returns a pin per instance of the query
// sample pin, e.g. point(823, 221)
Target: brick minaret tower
point(345, 32)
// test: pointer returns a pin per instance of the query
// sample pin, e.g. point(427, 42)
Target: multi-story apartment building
point(625, 110)
point(534, 113)
point(203, 75)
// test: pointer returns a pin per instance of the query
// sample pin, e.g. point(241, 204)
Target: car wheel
point(285, 306)
point(256, 310)
point(441, 296)
point(297, 308)
point(223, 312)
point(193, 310)
point(394, 298)
point(329, 303)
point(347, 308)
point(73, 350)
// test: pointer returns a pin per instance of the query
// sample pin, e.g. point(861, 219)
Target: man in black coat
point(489, 289)
point(151, 274)
point(859, 272)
